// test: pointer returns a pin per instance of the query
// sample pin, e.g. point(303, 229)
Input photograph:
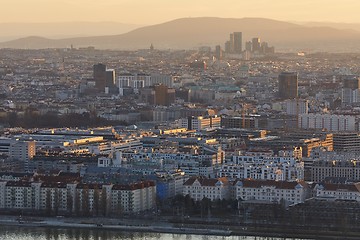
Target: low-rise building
point(211, 188)
point(338, 191)
point(271, 191)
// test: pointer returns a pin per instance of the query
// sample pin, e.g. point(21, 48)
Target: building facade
point(55, 198)
point(348, 169)
point(200, 123)
point(288, 85)
point(330, 122)
point(210, 188)
point(271, 191)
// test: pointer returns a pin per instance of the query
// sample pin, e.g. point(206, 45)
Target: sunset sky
point(157, 11)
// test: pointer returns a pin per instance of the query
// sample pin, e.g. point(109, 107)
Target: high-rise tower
point(231, 42)
point(218, 52)
point(100, 76)
point(288, 85)
point(237, 36)
point(350, 92)
point(256, 45)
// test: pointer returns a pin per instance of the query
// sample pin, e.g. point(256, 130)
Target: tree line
point(33, 119)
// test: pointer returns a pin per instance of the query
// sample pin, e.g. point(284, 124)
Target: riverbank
point(158, 226)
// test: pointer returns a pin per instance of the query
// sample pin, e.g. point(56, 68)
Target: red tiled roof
point(18, 184)
point(53, 185)
point(134, 186)
point(63, 178)
point(89, 186)
point(336, 187)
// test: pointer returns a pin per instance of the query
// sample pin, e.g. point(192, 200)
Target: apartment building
point(211, 188)
point(77, 198)
point(338, 191)
point(330, 122)
point(266, 170)
point(271, 191)
point(263, 166)
point(348, 169)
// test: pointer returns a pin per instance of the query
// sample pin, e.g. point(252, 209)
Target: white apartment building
point(166, 80)
point(17, 195)
point(119, 199)
point(242, 159)
point(135, 81)
point(17, 149)
point(338, 191)
point(211, 188)
point(263, 166)
point(330, 122)
point(297, 106)
point(53, 196)
point(271, 191)
point(191, 164)
point(348, 169)
point(263, 171)
point(92, 199)
point(350, 96)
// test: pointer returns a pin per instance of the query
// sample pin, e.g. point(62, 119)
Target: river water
point(27, 233)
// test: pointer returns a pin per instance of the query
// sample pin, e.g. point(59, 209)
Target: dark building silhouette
point(110, 78)
point(163, 95)
point(100, 76)
point(183, 94)
point(218, 52)
point(248, 46)
point(232, 42)
point(147, 95)
point(352, 82)
point(237, 37)
point(350, 90)
point(234, 45)
point(228, 47)
point(288, 85)
point(104, 78)
point(158, 95)
point(256, 45)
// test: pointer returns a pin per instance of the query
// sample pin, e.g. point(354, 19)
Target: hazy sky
point(157, 11)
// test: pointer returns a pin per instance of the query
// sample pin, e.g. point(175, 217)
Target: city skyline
point(158, 11)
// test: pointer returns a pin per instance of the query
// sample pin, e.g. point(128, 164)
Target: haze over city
point(156, 11)
point(137, 119)
point(69, 18)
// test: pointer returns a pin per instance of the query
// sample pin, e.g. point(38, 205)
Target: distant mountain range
point(57, 30)
point(348, 26)
point(190, 33)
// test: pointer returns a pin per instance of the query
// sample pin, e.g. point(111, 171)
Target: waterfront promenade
point(167, 226)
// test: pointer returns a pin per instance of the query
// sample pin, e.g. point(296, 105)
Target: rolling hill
point(190, 33)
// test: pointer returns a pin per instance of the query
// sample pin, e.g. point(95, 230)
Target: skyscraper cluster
point(234, 45)
point(258, 47)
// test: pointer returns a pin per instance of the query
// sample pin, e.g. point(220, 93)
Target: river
point(28, 233)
